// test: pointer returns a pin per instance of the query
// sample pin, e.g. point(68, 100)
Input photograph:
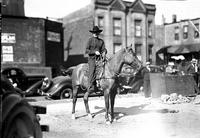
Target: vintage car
point(59, 87)
point(132, 83)
point(19, 79)
point(15, 110)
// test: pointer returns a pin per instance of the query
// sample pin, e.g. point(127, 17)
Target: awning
point(180, 49)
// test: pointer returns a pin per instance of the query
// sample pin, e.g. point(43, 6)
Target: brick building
point(180, 37)
point(33, 44)
point(123, 23)
point(182, 32)
point(13, 7)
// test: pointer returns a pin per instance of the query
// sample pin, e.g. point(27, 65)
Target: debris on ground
point(174, 98)
point(197, 99)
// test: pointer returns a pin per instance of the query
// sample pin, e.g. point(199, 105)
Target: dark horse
point(108, 81)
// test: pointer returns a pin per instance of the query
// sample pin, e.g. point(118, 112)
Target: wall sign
point(7, 49)
point(8, 58)
point(53, 36)
point(8, 38)
point(7, 52)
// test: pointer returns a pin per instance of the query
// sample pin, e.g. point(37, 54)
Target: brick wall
point(170, 31)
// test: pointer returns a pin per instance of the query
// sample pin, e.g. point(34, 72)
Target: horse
point(108, 80)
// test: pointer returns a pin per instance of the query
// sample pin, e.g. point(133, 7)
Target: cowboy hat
point(171, 63)
point(148, 63)
point(96, 30)
point(194, 60)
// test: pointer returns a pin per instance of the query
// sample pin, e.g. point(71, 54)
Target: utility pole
point(196, 29)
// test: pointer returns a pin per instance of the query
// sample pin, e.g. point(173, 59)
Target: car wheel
point(21, 122)
point(66, 93)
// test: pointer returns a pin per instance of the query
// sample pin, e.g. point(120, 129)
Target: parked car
point(19, 79)
point(156, 69)
point(132, 83)
point(15, 110)
point(68, 71)
point(59, 87)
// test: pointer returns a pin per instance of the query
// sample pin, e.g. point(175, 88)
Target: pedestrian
point(192, 67)
point(170, 68)
point(95, 47)
point(194, 71)
point(147, 88)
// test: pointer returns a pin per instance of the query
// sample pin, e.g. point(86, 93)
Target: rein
point(116, 74)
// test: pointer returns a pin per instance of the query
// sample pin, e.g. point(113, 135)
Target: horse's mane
point(117, 53)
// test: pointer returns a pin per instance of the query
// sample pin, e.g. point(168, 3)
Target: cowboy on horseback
point(95, 48)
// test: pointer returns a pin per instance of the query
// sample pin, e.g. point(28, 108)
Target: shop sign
point(7, 49)
point(53, 36)
point(8, 38)
point(7, 57)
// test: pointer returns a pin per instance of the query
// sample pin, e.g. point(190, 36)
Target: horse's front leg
point(75, 92)
point(85, 98)
point(106, 97)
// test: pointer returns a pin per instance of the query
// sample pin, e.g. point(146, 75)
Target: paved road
point(136, 117)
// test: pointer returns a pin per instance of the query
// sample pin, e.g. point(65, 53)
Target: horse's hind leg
point(75, 92)
point(106, 97)
point(85, 98)
point(112, 103)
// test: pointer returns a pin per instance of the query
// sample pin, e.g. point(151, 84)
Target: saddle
point(99, 72)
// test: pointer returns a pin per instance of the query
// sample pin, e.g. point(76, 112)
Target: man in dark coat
point(95, 47)
point(193, 69)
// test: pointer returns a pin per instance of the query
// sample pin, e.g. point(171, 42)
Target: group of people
point(183, 68)
point(193, 68)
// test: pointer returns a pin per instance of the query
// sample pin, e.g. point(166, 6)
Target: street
point(136, 116)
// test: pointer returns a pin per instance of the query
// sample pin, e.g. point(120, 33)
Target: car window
point(13, 72)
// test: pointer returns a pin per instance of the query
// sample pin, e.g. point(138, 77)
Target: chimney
point(174, 18)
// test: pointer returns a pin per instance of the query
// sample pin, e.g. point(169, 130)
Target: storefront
point(189, 51)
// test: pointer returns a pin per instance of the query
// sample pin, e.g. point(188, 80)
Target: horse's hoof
point(73, 117)
point(108, 122)
point(90, 116)
point(121, 115)
point(114, 120)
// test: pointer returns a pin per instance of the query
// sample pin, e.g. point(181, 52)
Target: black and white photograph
point(100, 69)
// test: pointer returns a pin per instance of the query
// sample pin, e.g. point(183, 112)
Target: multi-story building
point(182, 33)
point(34, 44)
point(123, 23)
point(181, 37)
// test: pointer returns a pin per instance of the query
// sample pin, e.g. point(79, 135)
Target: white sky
point(185, 9)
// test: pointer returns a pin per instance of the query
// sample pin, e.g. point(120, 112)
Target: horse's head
point(130, 58)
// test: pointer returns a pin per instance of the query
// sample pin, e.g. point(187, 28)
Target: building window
point(196, 30)
point(100, 22)
point(150, 53)
point(150, 27)
point(185, 31)
point(117, 24)
point(138, 51)
point(138, 28)
point(176, 34)
point(116, 47)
